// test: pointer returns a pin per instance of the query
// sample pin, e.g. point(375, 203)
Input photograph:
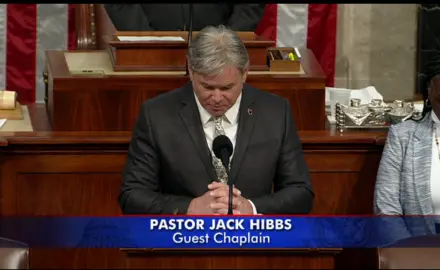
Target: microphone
point(190, 30)
point(223, 149)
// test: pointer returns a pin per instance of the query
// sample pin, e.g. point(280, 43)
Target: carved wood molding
point(85, 26)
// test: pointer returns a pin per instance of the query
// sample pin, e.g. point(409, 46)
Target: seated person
point(175, 17)
point(408, 181)
point(170, 167)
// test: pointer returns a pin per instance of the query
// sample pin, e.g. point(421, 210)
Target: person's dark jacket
point(169, 161)
point(175, 17)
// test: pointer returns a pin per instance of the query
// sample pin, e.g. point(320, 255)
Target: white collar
point(230, 115)
point(435, 118)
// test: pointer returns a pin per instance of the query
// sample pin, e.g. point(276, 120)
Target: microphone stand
point(230, 194)
point(225, 161)
point(190, 30)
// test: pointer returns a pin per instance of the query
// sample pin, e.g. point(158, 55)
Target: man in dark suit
point(175, 17)
point(170, 167)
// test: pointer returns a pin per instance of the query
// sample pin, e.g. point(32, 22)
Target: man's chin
point(218, 112)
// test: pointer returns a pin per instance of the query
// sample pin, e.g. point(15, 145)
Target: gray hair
point(214, 48)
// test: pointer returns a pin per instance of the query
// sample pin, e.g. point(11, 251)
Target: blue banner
point(206, 232)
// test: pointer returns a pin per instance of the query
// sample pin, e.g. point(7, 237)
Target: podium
point(84, 93)
point(159, 53)
point(102, 90)
point(230, 258)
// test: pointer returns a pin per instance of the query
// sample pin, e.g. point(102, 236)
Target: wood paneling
point(110, 103)
point(305, 259)
point(340, 178)
point(79, 173)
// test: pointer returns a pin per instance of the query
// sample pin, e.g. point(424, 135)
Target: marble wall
point(429, 36)
point(377, 45)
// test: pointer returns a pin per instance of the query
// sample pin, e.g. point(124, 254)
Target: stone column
point(377, 45)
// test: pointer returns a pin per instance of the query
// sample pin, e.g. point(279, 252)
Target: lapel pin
point(249, 111)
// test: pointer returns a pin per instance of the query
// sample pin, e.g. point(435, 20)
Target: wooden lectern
point(170, 55)
point(165, 55)
point(230, 258)
point(84, 93)
point(102, 90)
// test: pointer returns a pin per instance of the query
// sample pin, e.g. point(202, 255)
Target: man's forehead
point(217, 83)
point(226, 78)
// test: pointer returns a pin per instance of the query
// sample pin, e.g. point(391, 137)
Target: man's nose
point(217, 96)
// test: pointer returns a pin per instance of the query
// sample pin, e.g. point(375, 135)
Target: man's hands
point(220, 192)
point(216, 200)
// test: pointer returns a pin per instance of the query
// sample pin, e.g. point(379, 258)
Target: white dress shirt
point(435, 168)
point(230, 126)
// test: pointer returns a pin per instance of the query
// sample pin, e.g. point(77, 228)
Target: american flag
point(310, 26)
point(27, 30)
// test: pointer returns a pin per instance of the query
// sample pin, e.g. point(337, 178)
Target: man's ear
point(190, 71)
point(245, 73)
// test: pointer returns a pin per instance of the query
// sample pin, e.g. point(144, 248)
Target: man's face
point(218, 93)
point(434, 95)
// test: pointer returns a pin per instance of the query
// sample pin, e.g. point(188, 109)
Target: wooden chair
point(422, 252)
point(13, 254)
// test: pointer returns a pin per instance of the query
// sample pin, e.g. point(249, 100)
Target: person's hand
point(207, 205)
point(220, 192)
point(201, 205)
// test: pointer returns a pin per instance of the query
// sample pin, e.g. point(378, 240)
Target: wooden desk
point(79, 173)
point(232, 259)
point(105, 101)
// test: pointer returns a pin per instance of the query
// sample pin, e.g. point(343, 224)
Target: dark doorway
point(428, 37)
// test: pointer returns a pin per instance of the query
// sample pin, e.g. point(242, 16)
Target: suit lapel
point(422, 153)
point(246, 123)
point(191, 118)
